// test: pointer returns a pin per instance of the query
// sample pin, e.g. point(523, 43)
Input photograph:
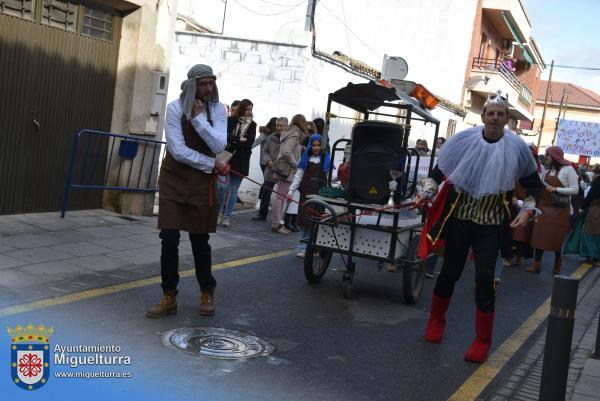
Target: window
point(18, 8)
point(97, 23)
point(60, 14)
point(483, 45)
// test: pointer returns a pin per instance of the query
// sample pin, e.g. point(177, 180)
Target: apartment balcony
point(509, 17)
point(489, 75)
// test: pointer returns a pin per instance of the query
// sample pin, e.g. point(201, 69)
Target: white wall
point(281, 80)
point(433, 37)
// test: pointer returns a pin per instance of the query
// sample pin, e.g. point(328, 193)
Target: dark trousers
point(506, 243)
point(460, 236)
point(169, 260)
point(265, 198)
point(260, 191)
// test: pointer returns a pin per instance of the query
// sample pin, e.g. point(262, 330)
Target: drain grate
point(216, 343)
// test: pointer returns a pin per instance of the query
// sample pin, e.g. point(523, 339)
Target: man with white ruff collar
point(479, 168)
point(195, 131)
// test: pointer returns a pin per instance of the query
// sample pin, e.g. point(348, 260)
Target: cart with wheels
point(374, 221)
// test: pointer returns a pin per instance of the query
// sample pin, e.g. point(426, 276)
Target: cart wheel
point(315, 264)
point(413, 274)
point(347, 287)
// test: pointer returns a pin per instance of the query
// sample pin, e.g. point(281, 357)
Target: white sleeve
point(176, 143)
point(215, 136)
point(571, 186)
point(297, 180)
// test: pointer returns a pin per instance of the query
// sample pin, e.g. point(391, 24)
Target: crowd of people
point(291, 159)
point(491, 194)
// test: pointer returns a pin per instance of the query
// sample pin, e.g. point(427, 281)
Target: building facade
point(69, 65)
point(503, 56)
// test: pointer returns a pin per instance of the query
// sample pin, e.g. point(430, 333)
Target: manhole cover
point(216, 343)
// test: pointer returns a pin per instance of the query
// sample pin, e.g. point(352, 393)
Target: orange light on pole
point(424, 96)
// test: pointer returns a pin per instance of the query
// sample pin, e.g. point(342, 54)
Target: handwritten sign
point(423, 170)
point(579, 137)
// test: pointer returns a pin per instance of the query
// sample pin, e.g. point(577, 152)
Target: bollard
point(596, 354)
point(557, 350)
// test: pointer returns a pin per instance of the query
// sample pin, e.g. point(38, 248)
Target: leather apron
point(187, 196)
point(552, 227)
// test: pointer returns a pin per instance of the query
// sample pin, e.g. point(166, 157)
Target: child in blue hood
point(310, 176)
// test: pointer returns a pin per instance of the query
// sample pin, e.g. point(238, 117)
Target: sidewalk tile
point(592, 368)
point(18, 228)
point(119, 244)
point(39, 255)
point(71, 236)
point(81, 249)
point(6, 248)
point(103, 232)
point(56, 225)
point(148, 239)
point(580, 397)
point(27, 241)
point(7, 262)
point(55, 270)
point(137, 229)
point(98, 262)
point(16, 279)
point(138, 256)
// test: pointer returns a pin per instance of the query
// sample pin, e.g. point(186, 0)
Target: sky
point(567, 32)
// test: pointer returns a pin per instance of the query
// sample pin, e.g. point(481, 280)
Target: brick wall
point(530, 76)
point(256, 70)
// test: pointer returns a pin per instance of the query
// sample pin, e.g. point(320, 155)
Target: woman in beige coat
point(286, 164)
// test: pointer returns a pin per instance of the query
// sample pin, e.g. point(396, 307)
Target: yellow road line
point(479, 380)
point(97, 292)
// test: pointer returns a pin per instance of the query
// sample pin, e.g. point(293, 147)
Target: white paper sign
point(579, 137)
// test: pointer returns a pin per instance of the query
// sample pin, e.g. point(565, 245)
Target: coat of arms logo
point(30, 355)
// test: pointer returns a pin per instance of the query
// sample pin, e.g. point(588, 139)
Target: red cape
point(433, 215)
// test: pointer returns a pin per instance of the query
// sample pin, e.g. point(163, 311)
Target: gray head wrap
point(188, 87)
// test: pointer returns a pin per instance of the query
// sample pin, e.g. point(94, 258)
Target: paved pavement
point(367, 348)
point(521, 379)
point(42, 255)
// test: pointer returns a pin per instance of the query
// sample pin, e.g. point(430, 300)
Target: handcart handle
point(316, 204)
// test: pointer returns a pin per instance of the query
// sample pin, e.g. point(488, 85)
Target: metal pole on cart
point(431, 161)
point(325, 139)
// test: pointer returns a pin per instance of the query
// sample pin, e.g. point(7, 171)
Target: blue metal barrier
point(84, 165)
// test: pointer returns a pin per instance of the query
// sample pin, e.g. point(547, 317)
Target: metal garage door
point(58, 63)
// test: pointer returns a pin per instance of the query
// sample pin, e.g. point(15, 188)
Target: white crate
point(367, 241)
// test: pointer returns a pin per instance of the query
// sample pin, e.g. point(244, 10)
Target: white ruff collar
point(480, 168)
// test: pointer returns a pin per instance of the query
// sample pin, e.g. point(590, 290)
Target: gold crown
point(30, 333)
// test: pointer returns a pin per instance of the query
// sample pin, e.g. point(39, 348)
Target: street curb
point(472, 388)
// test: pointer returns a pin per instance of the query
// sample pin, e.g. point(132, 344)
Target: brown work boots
point(207, 303)
point(167, 305)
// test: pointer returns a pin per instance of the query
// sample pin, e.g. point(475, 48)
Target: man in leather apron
point(195, 131)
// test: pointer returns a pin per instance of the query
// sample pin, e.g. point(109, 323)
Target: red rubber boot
point(437, 319)
point(484, 323)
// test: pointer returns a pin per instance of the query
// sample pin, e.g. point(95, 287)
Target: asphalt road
point(327, 348)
